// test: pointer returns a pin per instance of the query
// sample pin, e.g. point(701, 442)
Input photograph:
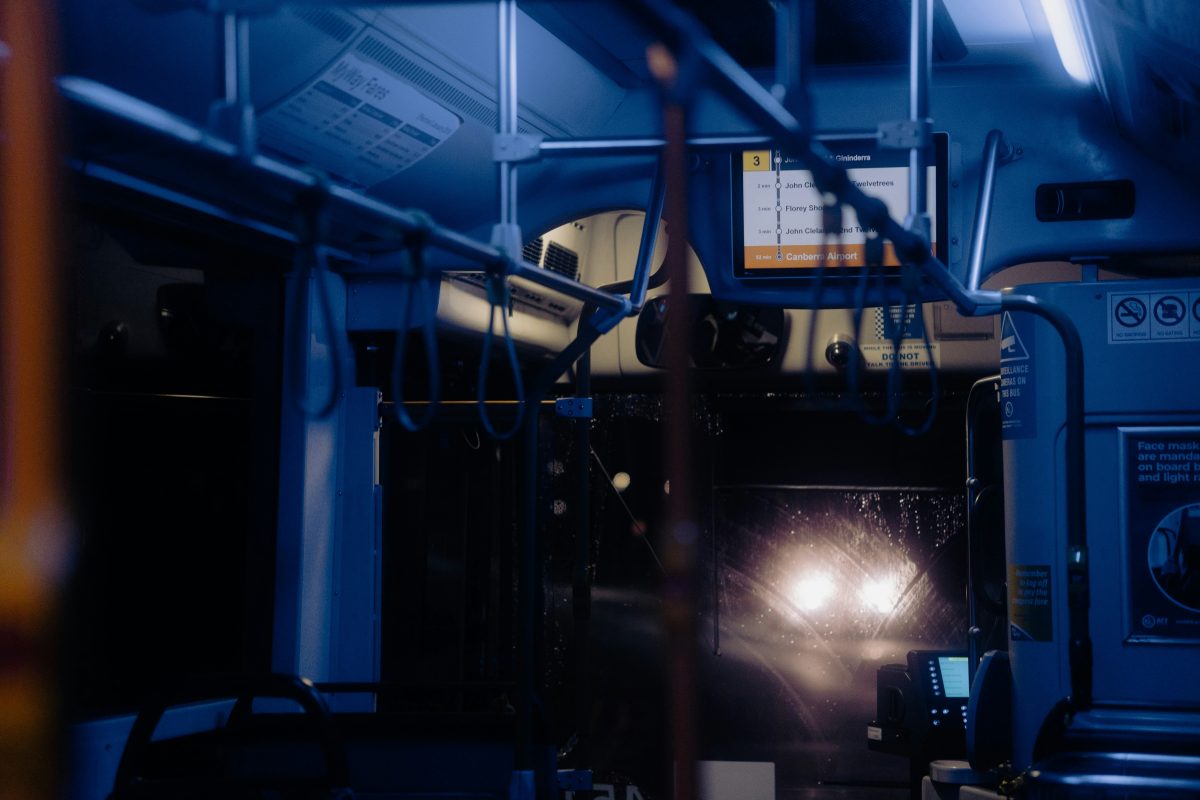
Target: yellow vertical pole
point(33, 533)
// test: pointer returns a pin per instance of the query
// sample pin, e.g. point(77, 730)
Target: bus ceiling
point(1121, 110)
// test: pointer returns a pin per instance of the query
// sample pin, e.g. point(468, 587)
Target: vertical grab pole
point(507, 234)
point(995, 152)
point(920, 69)
point(531, 770)
point(679, 619)
point(232, 116)
point(236, 58)
point(229, 74)
point(581, 598)
point(793, 29)
point(34, 532)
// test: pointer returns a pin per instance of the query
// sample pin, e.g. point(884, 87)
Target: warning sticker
point(1162, 533)
point(1128, 318)
point(911, 355)
point(909, 324)
point(1029, 608)
point(1162, 316)
point(1169, 316)
point(902, 321)
point(357, 120)
point(1018, 404)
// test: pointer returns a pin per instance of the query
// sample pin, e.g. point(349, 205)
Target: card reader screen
point(954, 675)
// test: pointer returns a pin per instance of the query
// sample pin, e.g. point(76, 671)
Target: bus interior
point(622, 399)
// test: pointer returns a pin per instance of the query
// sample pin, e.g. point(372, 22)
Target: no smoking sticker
point(1163, 316)
point(1128, 317)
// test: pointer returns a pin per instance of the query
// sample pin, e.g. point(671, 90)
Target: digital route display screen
point(778, 211)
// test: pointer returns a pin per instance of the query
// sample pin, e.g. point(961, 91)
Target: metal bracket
point(516, 147)
point(905, 134)
point(1009, 152)
point(573, 407)
point(237, 124)
point(507, 238)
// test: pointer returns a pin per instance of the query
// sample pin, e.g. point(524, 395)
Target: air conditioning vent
point(421, 78)
point(525, 295)
point(529, 296)
point(532, 251)
point(327, 22)
point(387, 57)
point(561, 260)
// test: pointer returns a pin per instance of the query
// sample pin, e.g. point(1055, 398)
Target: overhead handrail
point(263, 170)
point(653, 145)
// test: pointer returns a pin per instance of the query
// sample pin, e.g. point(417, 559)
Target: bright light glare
point(881, 595)
point(621, 481)
point(812, 592)
point(1066, 39)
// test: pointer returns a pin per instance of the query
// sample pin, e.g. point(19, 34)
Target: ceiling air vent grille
point(387, 57)
point(561, 260)
point(327, 22)
point(424, 80)
point(532, 251)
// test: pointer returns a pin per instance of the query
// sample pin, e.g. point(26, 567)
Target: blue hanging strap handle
point(873, 256)
point(910, 280)
point(831, 220)
point(909, 284)
point(413, 270)
point(311, 266)
point(499, 300)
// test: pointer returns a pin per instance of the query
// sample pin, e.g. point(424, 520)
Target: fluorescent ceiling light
point(1066, 39)
point(991, 22)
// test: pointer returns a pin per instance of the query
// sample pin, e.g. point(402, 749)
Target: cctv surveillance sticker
point(1018, 401)
point(1162, 531)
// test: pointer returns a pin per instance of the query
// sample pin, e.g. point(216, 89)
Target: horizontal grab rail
point(126, 109)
